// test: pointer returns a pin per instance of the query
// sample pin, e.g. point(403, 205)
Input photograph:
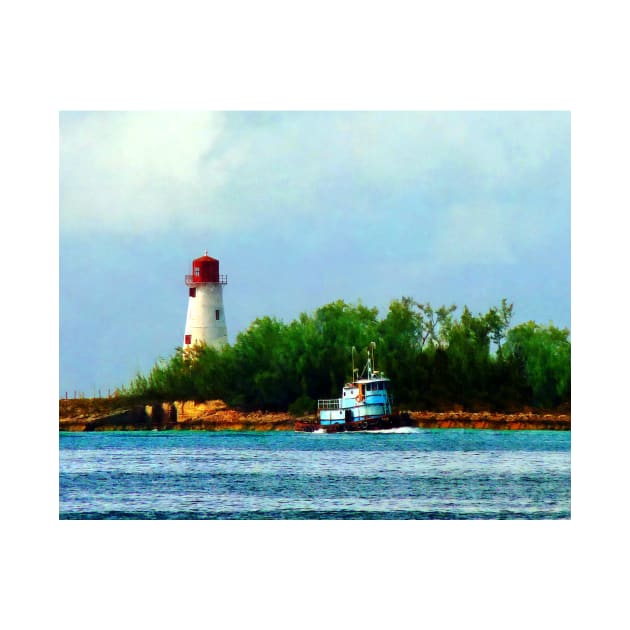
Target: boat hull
point(380, 423)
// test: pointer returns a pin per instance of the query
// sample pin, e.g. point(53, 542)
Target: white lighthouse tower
point(205, 320)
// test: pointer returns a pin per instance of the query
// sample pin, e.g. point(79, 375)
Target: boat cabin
point(360, 400)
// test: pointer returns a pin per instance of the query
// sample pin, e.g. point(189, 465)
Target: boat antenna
point(353, 370)
point(373, 346)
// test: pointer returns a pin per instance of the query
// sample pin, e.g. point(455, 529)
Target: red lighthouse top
point(205, 269)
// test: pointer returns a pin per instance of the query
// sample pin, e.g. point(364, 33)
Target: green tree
point(467, 352)
point(338, 327)
point(211, 374)
point(261, 366)
point(434, 359)
point(498, 321)
point(545, 355)
point(400, 346)
point(435, 324)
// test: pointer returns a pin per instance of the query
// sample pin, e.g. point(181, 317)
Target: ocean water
point(403, 474)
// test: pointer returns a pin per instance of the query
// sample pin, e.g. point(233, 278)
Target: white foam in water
point(398, 430)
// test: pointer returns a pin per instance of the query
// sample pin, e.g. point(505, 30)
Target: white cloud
point(491, 148)
point(129, 170)
point(153, 171)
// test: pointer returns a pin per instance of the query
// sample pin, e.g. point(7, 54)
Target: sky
point(301, 208)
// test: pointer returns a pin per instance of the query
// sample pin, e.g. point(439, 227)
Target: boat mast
point(373, 345)
point(369, 361)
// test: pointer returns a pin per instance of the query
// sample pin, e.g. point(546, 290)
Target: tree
point(435, 325)
point(498, 321)
point(545, 354)
point(261, 366)
point(467, 352)
point(400, 341)
point(211, 374)
point(433, 358)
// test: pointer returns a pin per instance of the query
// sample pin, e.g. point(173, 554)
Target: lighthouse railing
point(194, 281)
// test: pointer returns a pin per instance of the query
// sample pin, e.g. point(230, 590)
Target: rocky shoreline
point(215, 415)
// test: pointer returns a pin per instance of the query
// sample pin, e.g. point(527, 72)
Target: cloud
point(135, 170)
point(131, 172)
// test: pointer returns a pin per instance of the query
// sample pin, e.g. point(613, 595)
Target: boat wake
point(397, 430)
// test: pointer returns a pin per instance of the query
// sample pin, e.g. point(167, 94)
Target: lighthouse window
point(192, 292)
point(187, 339)
point(217, 314)
point(196, 271)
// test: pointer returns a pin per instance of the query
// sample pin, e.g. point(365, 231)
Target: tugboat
point(365, 405)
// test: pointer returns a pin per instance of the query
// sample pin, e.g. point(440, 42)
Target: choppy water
point(410, 474)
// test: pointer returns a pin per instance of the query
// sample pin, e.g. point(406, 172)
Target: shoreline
point(81, 415)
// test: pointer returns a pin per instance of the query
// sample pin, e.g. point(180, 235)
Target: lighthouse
point(205, 320)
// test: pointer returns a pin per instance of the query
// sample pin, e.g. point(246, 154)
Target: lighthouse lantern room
point(205, 320)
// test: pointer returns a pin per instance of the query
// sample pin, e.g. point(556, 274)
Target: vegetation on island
point(436, 359)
